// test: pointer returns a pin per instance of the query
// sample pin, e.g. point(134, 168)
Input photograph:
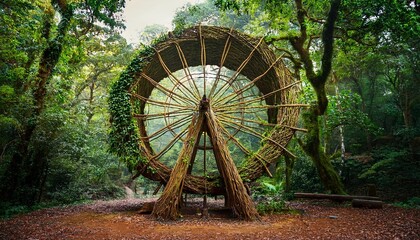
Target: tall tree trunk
point(312, 147)
point(28, 164)
point(37, 158)
point(406, 109)
point(312, 144)
point(340, 128)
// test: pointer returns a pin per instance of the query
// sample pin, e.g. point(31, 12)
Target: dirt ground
point(119, 219)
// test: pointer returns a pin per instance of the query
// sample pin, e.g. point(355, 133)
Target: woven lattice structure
point(212, 49)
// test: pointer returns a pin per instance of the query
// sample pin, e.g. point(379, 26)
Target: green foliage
point(40, 56)
point(106, 12)
point(269, 194)
point(151, 32)
point(80, 167)
point(394, 172)
point(271, 206)
point(124, 137)
point(8, 210)
point(270, 186)
point(400, 19)
point(344, 111)
point(413, 202)
point(304, 175)
point(207, 13)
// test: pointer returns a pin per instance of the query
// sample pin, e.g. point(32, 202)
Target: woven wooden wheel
point(249, 91)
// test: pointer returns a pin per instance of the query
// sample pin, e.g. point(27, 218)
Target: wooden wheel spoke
point(258, 99)
point(174, 79)
point(160, 103)
point(230, 137)
point(177, 98)
point(260, 123)
point(238, 71)
point(233, 111)
point(187, 73)
point(250, 84)
point(167, 91)
point(203, 58)
point(171, 143)
point(155, 116)
point(246, 150)
point(240, 101)
point(241, 127)
point(170, 127)
point(225, 53)
point(234, 108)
point(263, 123)
point(232, 85)
point(250, 131)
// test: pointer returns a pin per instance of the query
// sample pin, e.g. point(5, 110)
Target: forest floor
point(119, 219)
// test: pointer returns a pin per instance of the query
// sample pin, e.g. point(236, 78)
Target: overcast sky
point(141, 13)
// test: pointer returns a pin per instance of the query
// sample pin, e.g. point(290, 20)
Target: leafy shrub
point(271, 205)
point(269, 194)
point(410, 203)
point(305, 177)
point(394, 172)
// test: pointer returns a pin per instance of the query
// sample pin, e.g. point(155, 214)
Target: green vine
point(124, 134)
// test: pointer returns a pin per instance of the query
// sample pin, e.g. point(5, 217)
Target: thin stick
point(279, 145)
point(169, 127)
point(171, 143)
point(242, 147)
point(168, 94)
point(242, 128)
point(159, 86)
point(234, 86)
point(203, 56)
point(257, 99)
point(240, 68)
point(155, 116)
point(265, 123)
point(235, 107)
point(159, 103)
point(256, 134)
point(251, 83)
point(172, 77)
point(225, 52)
point(187, 71)
point(235, 111)
point(229, 116)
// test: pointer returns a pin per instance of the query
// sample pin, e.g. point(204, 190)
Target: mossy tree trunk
point(30, 164)
point(311, 143)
